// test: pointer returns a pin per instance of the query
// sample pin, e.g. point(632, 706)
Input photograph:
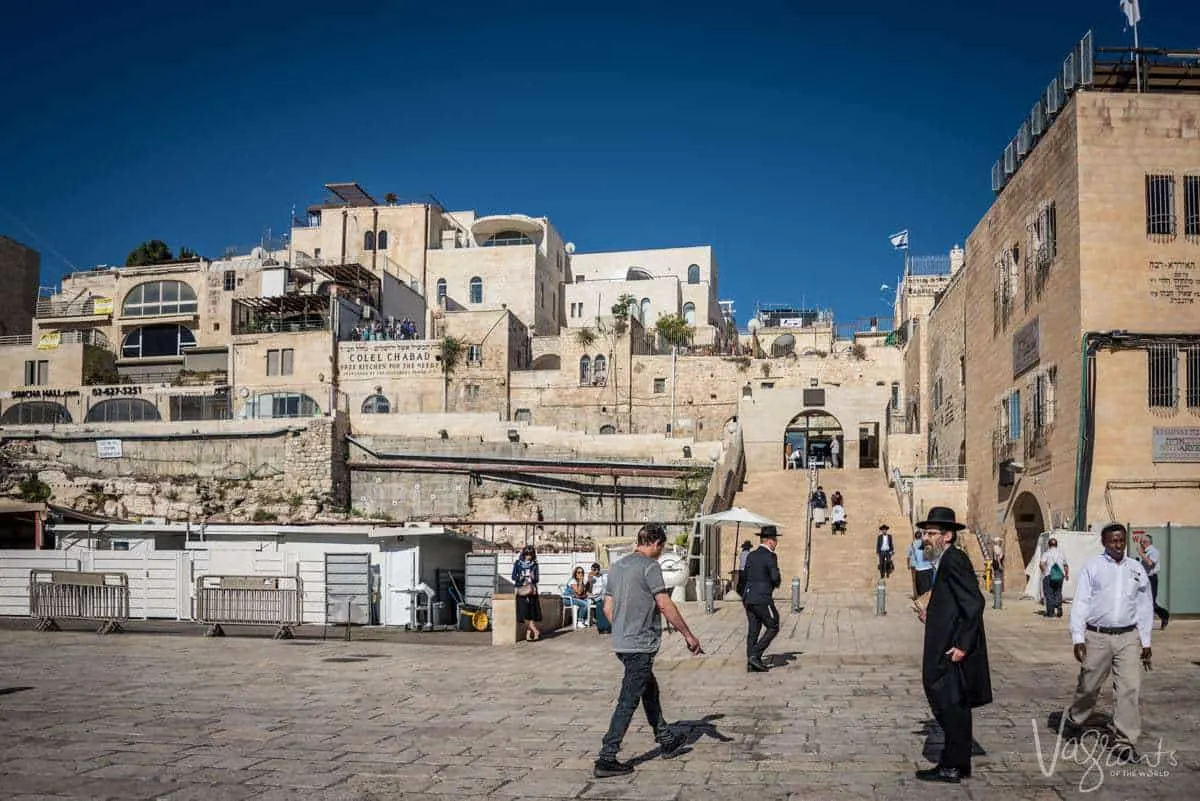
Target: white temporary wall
point(1077, 546)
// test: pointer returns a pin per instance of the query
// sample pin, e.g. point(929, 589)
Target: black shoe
point(755, 664)
point(1058, 613)
point(671, 744)
point(607, 768)
point(940, 774)
point(1166, 618)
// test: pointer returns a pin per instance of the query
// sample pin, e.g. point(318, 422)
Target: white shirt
point(1112, 595)
point(1053, 556)
point(1151, 555)
point(885, 545)
point(838, 515)
point(598, 585)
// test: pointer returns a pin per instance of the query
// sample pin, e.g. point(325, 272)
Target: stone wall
point(21, 268)
point(208, 471)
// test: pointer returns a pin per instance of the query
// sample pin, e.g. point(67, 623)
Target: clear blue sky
point(792, 139)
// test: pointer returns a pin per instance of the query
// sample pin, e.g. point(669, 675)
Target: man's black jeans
point(639, 685)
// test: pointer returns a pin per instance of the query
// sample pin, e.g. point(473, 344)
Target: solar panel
point(1070, 73)
point(1087, 60)
point(351, 194)
point(998, 177)
point(1037, 118)
point(1010, 159)
point(1024, 140)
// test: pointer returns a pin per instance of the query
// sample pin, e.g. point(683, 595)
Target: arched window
point(369, 240)
point(689, 313)
point(376, 404)
point(600, 369)
point(381, 241)
point(476, 290)
point(585, 371)
point(694, 274)
point(507, 238)
point(159, 297)
point(122, 410)
point(441, 291)
point(638, 274)
point(523, 416)
point(644, 315)
point(284, 404)
point(35, 413)
point(608, 428)
point(157, 340)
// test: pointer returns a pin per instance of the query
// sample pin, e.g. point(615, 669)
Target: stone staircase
point(841, 564)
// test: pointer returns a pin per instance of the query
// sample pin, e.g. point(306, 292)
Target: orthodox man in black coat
point(760, 579)
point(954, 670)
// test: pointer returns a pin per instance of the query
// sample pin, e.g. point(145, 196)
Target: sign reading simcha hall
point(388, 359)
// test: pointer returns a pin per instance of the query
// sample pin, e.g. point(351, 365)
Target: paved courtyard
point(140, 716)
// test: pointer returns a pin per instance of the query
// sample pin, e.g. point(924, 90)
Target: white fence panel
point(312, 573)
point(155, 580)
point(14, 576)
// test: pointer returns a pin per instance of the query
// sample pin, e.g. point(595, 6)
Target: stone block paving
point(842, 716)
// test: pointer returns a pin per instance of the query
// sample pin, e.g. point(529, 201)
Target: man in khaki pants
point(1112, 615)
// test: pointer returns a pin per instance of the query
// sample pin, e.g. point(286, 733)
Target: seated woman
point(576, 594)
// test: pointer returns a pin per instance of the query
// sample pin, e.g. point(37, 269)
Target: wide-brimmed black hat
point(768, 532)
point(942, 516)
point(884, 527)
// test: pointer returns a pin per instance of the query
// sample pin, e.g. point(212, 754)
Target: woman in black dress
point(525, 577)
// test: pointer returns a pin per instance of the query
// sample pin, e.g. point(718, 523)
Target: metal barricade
point(67, 594)
point(250, 601)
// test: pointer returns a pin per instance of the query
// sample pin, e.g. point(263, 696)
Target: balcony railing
point(96, 338)
point(945, 472)
point(47, 307)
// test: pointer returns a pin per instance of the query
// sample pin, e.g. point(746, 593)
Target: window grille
point(1193, 377)
point(1160, 205)
point(1191, 206)
point(1163, 376)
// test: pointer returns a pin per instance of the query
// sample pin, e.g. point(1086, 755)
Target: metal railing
point(14, 340)
point(946, 472)
point(96, 338)
point(66, 594)
point(47, 307)
point(250, 601)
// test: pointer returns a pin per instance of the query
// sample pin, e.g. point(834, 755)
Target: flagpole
point(1137, 56)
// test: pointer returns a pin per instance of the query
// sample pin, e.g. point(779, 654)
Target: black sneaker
point(672, 743)
point(607, 768)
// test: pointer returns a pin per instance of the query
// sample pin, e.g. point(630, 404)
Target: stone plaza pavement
point(137, 716)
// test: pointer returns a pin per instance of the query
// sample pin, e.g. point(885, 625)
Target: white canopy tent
point(705, 550)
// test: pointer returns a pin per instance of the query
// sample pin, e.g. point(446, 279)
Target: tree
point(674, 330)
point(586, 337)
point(391, 199)
point(154, 251)
point(187, 254)
point(620, 312)
point(452, 353)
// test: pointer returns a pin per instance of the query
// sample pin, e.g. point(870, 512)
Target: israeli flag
point(900, 241)
point(1132, 12)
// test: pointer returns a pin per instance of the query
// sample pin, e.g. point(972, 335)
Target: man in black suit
point(954, 670)
point(760, 579)
point(885, 549)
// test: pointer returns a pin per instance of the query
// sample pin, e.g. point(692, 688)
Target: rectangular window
point(475, 354)
point(1191, 205)
point(472, 391)
point(1014, 415)
point(230, 280)
point(286, 360)
point(1160, 205)
point(1162, 362)
point(1193, 377)
point(37, 373)
point(1039, 402)
point(660, 386)
point(273, 362)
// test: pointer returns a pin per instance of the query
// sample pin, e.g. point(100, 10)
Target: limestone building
point(1073, 329)
point(20, 267)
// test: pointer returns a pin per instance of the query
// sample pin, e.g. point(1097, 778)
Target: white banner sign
point(389, 359)
point(108, 448)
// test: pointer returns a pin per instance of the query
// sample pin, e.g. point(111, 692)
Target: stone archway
point(1030, 523)
point(814, 434)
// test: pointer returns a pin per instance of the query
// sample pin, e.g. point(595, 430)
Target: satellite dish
point(753, 325)
point(244, 392)
point(257, 253)
point(570, 248)
point(883, 287)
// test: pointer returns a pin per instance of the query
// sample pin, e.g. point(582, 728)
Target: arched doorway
point(813, 437)
point(1027, 514)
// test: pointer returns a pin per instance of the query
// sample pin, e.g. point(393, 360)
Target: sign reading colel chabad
point(389, 359)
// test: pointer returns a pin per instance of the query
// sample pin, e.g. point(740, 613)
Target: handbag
point(525, 590)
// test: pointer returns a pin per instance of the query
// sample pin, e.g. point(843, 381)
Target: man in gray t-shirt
point(635, 601)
